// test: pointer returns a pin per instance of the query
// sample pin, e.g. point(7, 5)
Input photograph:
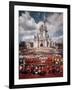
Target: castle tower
point(42, 37)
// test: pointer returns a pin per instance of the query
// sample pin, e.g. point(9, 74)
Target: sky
point(30, 21)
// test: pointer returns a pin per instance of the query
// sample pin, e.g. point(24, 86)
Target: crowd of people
point(50, 64)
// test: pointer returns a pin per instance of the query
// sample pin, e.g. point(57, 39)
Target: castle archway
point(41, 45)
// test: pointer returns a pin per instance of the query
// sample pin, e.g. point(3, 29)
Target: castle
point(42, 39)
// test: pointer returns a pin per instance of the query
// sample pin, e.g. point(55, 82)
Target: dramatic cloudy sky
point(29, 22)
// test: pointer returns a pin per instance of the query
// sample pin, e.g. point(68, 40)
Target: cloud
point(58, 39)
point(27, 38)
point(55, 19)
point(27, 22)
point(55, 25)
point(28, 35)
point(27, 26)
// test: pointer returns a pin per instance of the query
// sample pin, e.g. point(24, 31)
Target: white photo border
point(18, 81)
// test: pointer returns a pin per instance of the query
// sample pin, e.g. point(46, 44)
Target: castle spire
point(44, 18)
